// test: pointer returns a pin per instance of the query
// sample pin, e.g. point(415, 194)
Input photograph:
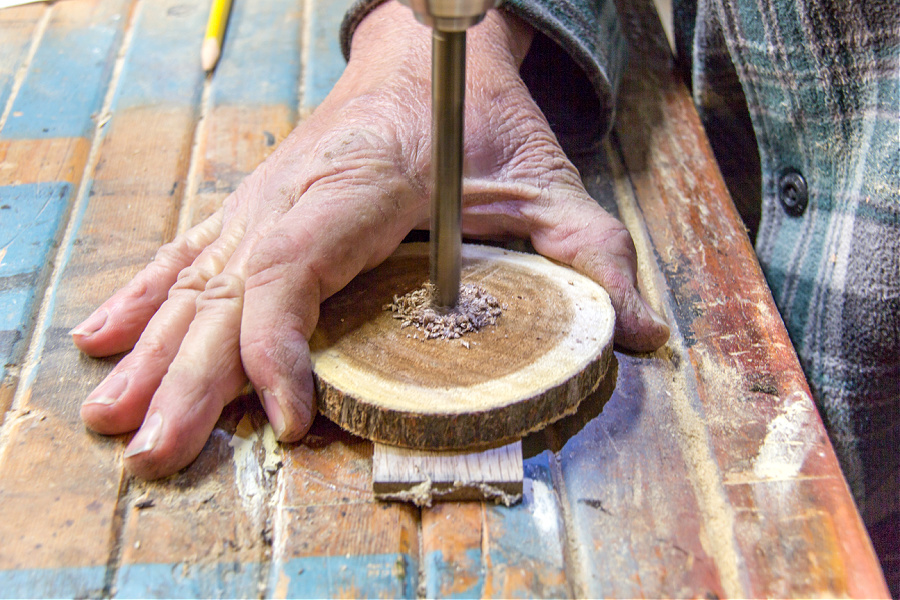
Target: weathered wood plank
point(220, 546)
point(44, 150)
point(630, 506)
point(421, 477)
point(329, 466)
point(253, 100)
point(18, 26)
point(345, 551)
point(44, 146)
point(771, 479)
point(486, 550)
point(67, 78)
point(635, 529)
point(201, 532)
point(204, 532)
point(324, 63)
point(131, 210)
point(330, 538)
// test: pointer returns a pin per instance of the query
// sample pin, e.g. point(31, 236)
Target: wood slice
point(547, 351)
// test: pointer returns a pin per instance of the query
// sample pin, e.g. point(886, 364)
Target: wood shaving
point(475, 309)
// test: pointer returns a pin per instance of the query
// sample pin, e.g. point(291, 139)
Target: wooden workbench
point(706, 473)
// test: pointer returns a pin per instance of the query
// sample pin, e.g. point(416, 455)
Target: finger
point(120, 401)
point(576, 231)
point(280, 316)
point(205, 375)
point(318, 248)
point(117, 324)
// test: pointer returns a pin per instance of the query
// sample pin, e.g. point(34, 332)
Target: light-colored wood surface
point(547, 351)
point(422, 477)
point(663, 484)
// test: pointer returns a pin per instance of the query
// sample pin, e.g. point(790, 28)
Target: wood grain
point(18, 25)
point(486, 550)
point(50, 465)
point(47, 126)
point(206, 531)
point(706, 472)
point(422, 476)
point(766, 477)
point(547, 351)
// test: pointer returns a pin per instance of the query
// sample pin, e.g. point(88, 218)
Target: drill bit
point(448, 20)
point(448, 90)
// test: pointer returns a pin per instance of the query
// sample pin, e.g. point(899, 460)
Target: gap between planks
point(195, 172)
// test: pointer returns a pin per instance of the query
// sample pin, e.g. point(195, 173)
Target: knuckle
point(618, 240)
point(224, 286)
point(155, 350)
point(193, 279)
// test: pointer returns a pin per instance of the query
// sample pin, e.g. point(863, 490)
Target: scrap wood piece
point(422, 476)
point(379, 378)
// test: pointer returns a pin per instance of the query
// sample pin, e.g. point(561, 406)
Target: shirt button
point(792, 192)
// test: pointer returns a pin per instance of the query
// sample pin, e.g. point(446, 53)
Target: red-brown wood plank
point(769, 476)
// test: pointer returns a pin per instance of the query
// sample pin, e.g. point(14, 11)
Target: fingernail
point(273, 409)
point(147, 437)
point(92, 324)
point(109, 391)
point(658, 319)
point(661, 323)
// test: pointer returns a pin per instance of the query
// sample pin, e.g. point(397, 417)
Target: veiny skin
point(238, 296)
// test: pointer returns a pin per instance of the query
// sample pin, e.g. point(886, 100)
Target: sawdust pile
point(475, 309)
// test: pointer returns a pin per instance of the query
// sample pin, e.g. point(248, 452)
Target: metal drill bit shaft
point(448, 88)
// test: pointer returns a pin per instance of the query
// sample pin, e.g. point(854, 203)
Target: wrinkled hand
point(238, 296)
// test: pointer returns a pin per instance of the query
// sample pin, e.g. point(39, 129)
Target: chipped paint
point(250, 474)
point(545, 512)
point(789, 438)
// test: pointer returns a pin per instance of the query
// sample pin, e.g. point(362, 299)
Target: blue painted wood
point(30, 218)
point(76, 582)
point(162, 66)
point(260, 63)
point(631, 507)
point(67, 79)
point(380, 575)
point(17, 26)
point(180, 580)
point(440, 572)
point(524, 553)
point(324, 62)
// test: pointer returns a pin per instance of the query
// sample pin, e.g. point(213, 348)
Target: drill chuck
point(450, 15)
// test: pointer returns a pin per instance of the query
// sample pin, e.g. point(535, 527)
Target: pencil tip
point(209, 54)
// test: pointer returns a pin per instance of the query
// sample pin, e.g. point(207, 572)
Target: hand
point(238, 296)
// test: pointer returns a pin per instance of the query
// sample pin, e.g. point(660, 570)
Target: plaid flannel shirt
point(801, 102)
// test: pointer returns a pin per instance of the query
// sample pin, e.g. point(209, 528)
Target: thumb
point(581, 234)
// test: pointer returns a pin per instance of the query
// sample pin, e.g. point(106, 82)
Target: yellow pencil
point(215, 32)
